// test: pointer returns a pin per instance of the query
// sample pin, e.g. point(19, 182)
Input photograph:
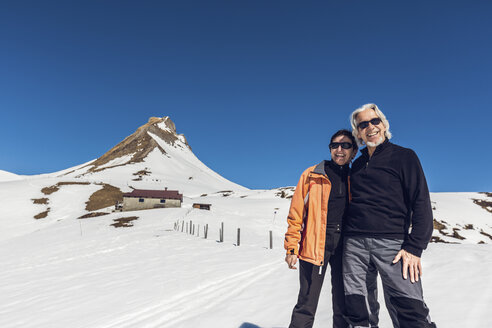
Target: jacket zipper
point(341, 180)
point(321, 265)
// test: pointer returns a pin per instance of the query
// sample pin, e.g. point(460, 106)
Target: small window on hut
point(140, 200)
point(163, 201)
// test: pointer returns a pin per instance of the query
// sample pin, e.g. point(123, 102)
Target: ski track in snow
point(192, 303)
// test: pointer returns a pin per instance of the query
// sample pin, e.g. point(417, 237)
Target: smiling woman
point(343, 147)
point(320, 241)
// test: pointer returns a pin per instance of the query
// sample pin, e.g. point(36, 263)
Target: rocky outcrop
point(140, 143)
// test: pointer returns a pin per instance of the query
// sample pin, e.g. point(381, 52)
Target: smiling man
point(388, 225)
point(315, 219)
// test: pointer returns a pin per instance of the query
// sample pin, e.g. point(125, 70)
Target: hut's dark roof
point(163, 194)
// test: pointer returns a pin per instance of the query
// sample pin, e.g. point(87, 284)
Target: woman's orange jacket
point(306, 233)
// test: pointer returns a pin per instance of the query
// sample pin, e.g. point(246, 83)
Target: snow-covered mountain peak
point(167, 125)
point(136, 147)
point(164, 123)
point(153, 157)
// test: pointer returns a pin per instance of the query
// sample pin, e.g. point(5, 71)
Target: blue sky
point(257, 87)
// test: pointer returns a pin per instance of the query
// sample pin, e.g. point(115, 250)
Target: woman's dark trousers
point(311, 282)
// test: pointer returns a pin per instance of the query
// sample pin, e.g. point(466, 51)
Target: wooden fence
point(190, 229)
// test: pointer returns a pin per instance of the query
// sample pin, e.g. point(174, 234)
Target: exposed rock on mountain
point(136, 147)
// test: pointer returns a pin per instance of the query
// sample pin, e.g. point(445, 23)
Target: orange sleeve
point(296, 215)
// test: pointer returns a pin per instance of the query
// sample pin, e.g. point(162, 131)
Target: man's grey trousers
point(363, 259)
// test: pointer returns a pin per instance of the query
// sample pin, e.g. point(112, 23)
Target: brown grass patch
point(456, 234)
point(66, 183)
point(486, 234)
point(225, 193)
point(107, 196)
point(92, 215)
point(124, 222)
point(42, 215)
point(285, 192)
point(142, 172)
point(485, 204)
point(439, 226)
point(436, 239)
point(40, 201)
point(51, 189)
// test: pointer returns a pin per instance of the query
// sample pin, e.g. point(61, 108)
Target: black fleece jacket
point(389, 193)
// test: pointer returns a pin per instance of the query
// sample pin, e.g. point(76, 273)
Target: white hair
point(379, 113)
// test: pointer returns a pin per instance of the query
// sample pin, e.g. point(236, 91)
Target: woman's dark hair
point(347, 133)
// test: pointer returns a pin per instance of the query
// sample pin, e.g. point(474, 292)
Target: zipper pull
point(321, 268)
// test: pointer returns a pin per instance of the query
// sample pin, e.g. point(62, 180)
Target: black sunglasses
point(344, 145)
point(364, 124)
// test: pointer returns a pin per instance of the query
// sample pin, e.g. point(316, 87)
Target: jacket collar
point(386, 143)
point(320, 168)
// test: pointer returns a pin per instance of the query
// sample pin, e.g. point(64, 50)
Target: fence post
point(271, 240)
point(206, 230)
point(191, 225)
point(238, 236)
point(198, 231)
point(193, 230)
point(222, 232)
point(182, 226)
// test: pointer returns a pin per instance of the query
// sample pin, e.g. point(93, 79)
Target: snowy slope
point(464, 221)
point(86, 273)
point(7, 176)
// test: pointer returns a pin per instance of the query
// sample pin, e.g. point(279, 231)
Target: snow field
point(86, 273)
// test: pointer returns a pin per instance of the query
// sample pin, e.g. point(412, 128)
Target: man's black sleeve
point(418, 201)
